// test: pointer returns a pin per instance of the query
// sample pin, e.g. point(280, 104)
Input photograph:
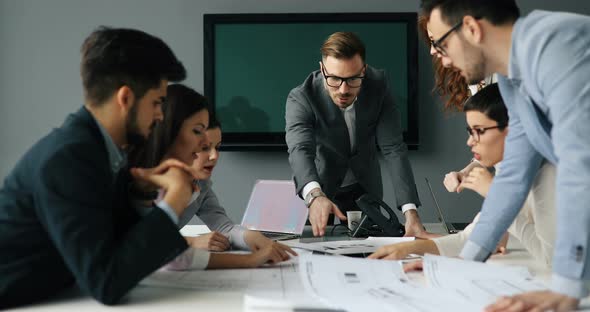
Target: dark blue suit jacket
point(65, 218)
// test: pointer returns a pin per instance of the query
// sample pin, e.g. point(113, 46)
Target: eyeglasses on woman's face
point(477, 132)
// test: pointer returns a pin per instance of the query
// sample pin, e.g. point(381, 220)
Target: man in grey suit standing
point(336, 121)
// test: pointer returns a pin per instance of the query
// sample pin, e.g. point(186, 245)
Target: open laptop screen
point(451, 228)
point(274, 207)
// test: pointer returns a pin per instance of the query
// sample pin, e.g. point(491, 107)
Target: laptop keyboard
point(279, 236)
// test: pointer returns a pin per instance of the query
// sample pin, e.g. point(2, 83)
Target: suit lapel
point(361, 119)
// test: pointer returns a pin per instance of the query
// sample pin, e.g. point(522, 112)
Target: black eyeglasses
point(476, 133)
point(437, 44)
point(336, 82)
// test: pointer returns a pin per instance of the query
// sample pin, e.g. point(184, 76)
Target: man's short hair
point(497, 12)
point(343, 45)
point(115, 57)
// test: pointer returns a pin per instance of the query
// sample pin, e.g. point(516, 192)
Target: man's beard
point(334, 95)
point(134, 135)
point(474, 64)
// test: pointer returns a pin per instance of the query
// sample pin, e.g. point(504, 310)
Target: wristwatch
point(312, 195)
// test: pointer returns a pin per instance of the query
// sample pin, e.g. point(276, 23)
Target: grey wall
point(39, 82)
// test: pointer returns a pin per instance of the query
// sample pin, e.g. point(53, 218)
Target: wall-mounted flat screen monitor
point(252, 61)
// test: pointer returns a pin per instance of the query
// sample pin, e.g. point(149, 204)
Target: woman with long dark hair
point(182, 135)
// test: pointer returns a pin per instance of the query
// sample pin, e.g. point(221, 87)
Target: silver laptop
point(275, 210)
point(451, 228)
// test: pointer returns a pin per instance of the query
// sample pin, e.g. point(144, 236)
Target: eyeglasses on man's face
point(476, 133)
point(336, 82)
point(437, 44)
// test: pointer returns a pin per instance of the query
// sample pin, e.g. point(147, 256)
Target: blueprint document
point(364, 285)
point(353, 246)
point(478, 282)
point(276, 283)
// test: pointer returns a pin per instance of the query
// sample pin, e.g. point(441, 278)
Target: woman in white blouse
point(534, 226)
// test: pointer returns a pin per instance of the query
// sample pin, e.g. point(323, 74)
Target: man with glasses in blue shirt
point(543, 62)
point(335, 123)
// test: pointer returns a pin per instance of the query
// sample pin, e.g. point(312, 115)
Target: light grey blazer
point(207, 208)
point(319, 145)
point(547, 93)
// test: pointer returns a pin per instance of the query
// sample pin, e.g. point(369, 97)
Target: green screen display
point(256, 64)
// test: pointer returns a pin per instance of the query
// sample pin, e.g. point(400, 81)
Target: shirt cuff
point(168, 210)
point(200, 259)
point(570, 287)
point(474, 252)
point(308, 187)
point(407, 207)
point(236, 236)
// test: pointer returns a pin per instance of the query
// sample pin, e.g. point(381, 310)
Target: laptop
point(451, 228)
point(275, 210)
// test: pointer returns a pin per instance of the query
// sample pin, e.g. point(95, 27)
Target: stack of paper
point(371, 285)
point(476, 281)
point(377, 285)
point(345, 247)
point(268, 288)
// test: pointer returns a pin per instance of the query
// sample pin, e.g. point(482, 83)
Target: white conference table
point(146, 298)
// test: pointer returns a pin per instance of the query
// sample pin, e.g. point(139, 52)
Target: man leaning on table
point(543, 62)
point(337, 121)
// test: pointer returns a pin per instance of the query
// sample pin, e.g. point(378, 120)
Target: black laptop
point(451, 228)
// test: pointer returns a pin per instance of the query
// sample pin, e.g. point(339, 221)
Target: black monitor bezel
point(248, 141)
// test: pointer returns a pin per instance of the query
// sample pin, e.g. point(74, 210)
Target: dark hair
point(488, 101)
point(343, 45)
point(214, 123)
point(115, 57)
point(497, 12)
point(448, 82)
point(182, 102)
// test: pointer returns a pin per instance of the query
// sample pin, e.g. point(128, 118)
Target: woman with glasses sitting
point(534, 226)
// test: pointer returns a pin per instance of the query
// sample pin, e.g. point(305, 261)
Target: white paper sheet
point(344, 247)
point(274, 283)
point(478, 282)
point(371, 285)
point(260, 304)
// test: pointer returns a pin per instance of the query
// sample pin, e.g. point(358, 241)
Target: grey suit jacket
point(319, 145)
point(207, 208)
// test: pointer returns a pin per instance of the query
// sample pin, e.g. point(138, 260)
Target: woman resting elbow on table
point(226, 234)
point(534, 226)
point(188, 135)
